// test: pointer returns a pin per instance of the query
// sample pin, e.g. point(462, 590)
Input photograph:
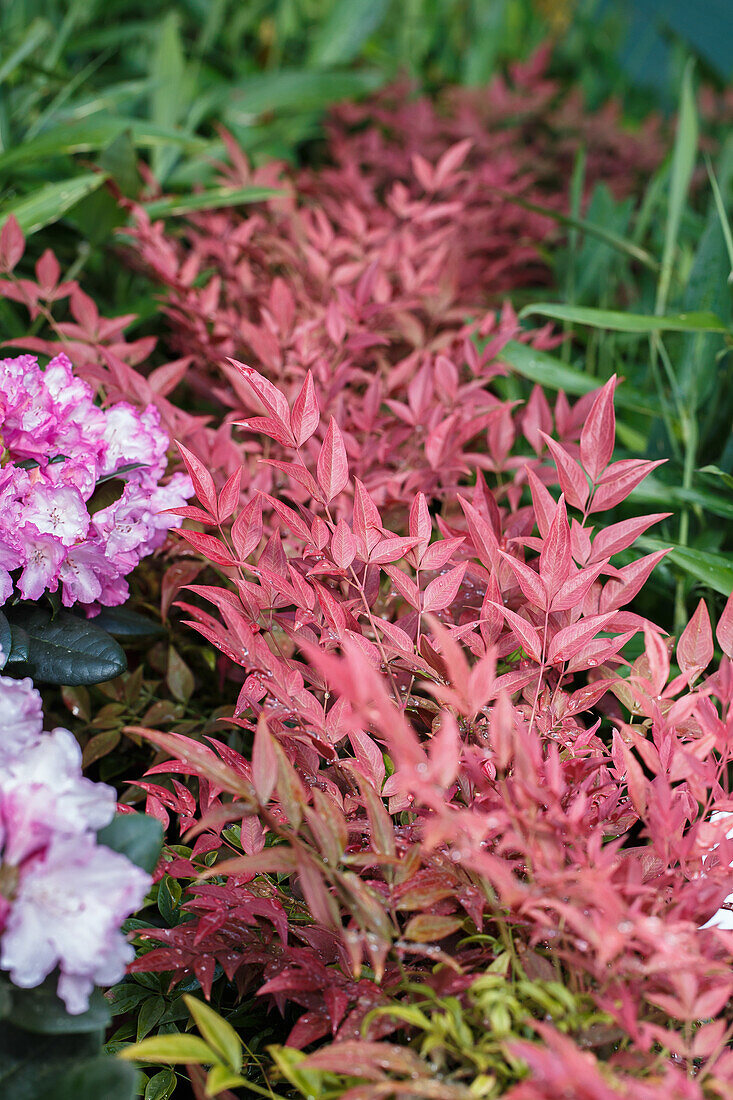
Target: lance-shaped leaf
point(555, 558)
point(203, 482)
point(274, 402)
point(599, 432)
point(611, 540)
point(724, 629)
point(485, 542)
point(305, 417)
point(619, 480)
point(229, 496)
point(571, 639)
point(332, 467)
point(573, 482)
point(247, 528)
point(527, 634)
point(529, 581)
point(695, 647)
point(573, 592)
point(343, 546)
point(442, 591)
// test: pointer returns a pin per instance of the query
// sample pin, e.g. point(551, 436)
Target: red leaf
point(574, 591)
point(658, 658)
point(267, 425)
point(202, 480)
point(190, 512)
point(12, 244)
point(367, 520)
point(247, 528)
point(555, 559)
point(274, 402)
point(343, 546)
point(264, 762)
point(212, 548)
point(439, 553)
point(695, 647)
point(442, 591)
point(390, 550)
point(333, 466)
point(573, 482)
point(571, 639)
point(544, 505)
point(229, 496)
point(619, 480)
point(599, 432)
point(724, 630)
point(405, 585)
point(298, 472)
point(527, 634)
point(528, 580)
point(631, 579)
point(420, 525)
point(485, 542)
point(611, 540)
point(306, 415)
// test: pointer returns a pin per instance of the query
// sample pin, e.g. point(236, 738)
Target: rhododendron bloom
point(63, 896)
point(56, 446)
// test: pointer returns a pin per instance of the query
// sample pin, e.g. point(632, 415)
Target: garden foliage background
point(419, 727)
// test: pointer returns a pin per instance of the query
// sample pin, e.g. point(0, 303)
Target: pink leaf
point(391, 550)
point(544, 505)
point(631, 579)
point(333, 466)
point(574, 591)
point(527, 634)
point(247, 528)
point(229, 496)
point(202, 480)
point(658, 658)
point(274, 402)
point(442, 591)
point(695, 647)
point(267, 425)
point(573, 481)
point(367, 520)
point(12, 244)
point(439, 553)
point(264, 762)
point(485, 542)
point(528, 580)
point(420, 526)
point(599, 433)
point(212, 548)
point(724, 630)
point(343, 547)
point(619, 480)
point(405, 585)
point(571, 639)
point(306, 415)
point(611, 540)
point(555, 559)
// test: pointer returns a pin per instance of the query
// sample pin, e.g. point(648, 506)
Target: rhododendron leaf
point(442, 591)
point(126, 468)
point(104, 495)
point(573, 482)
point(203, 482)
point(137, 836)
point(41, 1011)
point(332, 467)
point(126, 624)
point(695, 647)
point(65, 649)
point(6, 640)
point(599, 432)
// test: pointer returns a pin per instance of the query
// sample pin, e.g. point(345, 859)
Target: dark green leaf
point(161, 1085)
point(137, 836)
point(40, 1010)
point(63, 650)
point(340, 37)
point(6, 640)
point(127, 625)
point(96, 1078)
point(49, 203)
point(105, 494)
point(620, 321)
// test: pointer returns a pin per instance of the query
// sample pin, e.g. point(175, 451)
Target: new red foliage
point(425, 762)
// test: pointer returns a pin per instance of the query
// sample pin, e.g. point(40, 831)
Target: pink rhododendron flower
point(55, 446)
point(63, 896)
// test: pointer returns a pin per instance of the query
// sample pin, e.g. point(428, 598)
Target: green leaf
point(150, 1013)
point(63, 650)
point(168, 99)
point(33, 1065)
point(340, 37)
point(170, 1050)
point(714, 570)
point(95, 1078)
point(179, 677)
point(127, 625)
point(105, 494)
point(654, 491)
point(40, 1010)
point(37, 32)
point(683, 163)
point(217, 1032)
point(6, 640)
point(212, 199)
point(49, 203)
point(295, 90)
point(619, 321)
point(220, 1078)
point(137, 836)
point(727, 479)
point(93, 135)
point(540, 367)
point(161, 1085)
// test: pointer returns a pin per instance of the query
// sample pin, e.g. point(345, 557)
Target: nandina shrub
point(365, 271)
point(448, 769)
